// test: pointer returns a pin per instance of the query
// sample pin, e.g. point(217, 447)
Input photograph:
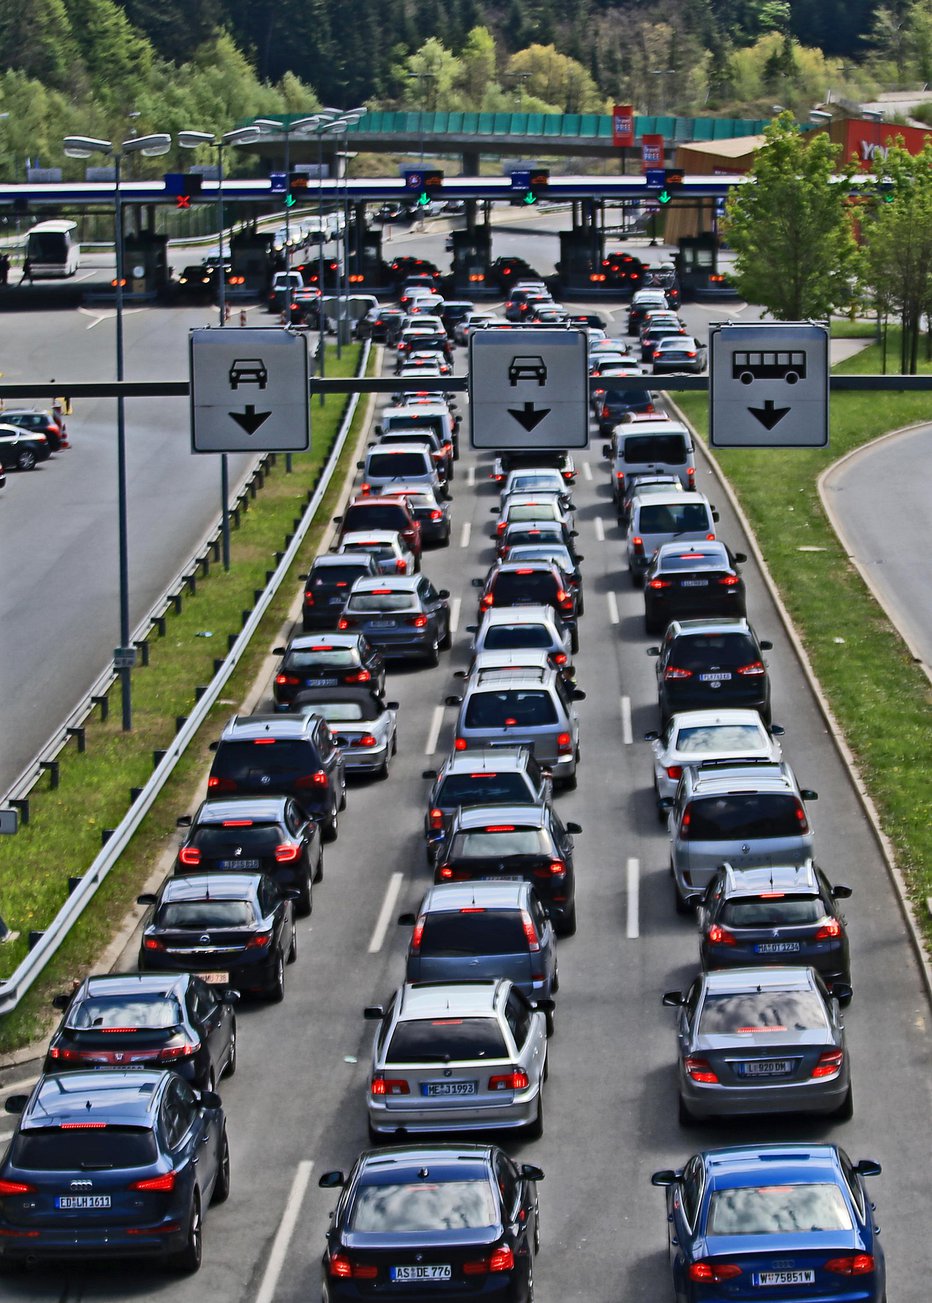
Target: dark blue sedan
point(789, 1221)
point(112, 1164)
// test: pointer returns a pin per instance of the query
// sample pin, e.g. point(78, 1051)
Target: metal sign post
point(528, 389)
point(768, 385)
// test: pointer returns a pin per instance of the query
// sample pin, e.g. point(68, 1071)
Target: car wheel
point(277, 989)
point(555, 984)
point(331, 829)
point(535, 1129)
point(571, 782)
point(682, 906)
point(637, 579)
point(293, 948)
point(319, 871)
point(567, 926)
point(382, 772)
point(446, 642)
point(684, 1116)
point(26, 460)
point(580, 605)
point(574, 640)
point(230, 1069)
point(305, 902)
point(188, 1259)
point(433, 654)
point(222, 1184)
point(549, 1023)
point(845, 1111)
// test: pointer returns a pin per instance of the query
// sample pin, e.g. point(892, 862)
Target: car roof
point(482, 892)
point(241, 727)
point(367, 499)
point(396, 583)
point(711, 549)
point(702, 718)
point(481, 816)
point(516, 567)
point(515, 658)
point(742, 981)
point(787, 1164)
point(511, 680)
point(116, 1097)
point(308, 641)
point(675, 499)
point(442, 1161)
point(396, 448)
point(740, 778)
point(487, 759)
point(721, 624)
point(449, 999)
point(789, 878)
point(216, 809)
point(369, 536)
point(114, 984)
point(332, 559)
point(211, 886)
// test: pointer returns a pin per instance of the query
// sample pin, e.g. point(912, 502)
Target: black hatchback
point(692, 579)
point(327, 585)
point(617, 403)
point(711, 663)
point(327, 660)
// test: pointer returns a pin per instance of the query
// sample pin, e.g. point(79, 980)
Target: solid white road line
point(455, 607)
point(600, 529)
point(633, 926)
point(286, 1226)
point(436, 723)
point(612, 607)
point(626, 735)
point(586, 470)
point(471, 476)
point(465, 535)
point(385, 913)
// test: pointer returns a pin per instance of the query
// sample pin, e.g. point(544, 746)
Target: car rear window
point(514, 637)
point(385, 515)
point(309, 657)
point(422, 1206)
point(697, 651)
point(752, 1012)
point(667, 518)
point(416, 422)
point(337, 576)
point(251, 759)
point(699, 560)
point(773, 911)
point(642, 448)
point(512, 708)
point(55, 1150)
point(628, 398)
point(130, 1011)
point(377, 550)
point(484, 845)
point(397, 465)
point(374, 602)
point(525, 585)
point(205, 914)
point(778, 1210)
point(434, 1040)
point(342, 712)
point(483, 789)
point(257, 838)
point(738, 739)
point(476, 932)
point(744, 814)
point(542, 510)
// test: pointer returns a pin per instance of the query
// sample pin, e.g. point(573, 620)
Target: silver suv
point(526, 707)
point(748, 813)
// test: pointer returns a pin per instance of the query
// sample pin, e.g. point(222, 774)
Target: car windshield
point(510, 708)
point(433, 1040)
point(772, 911)
point(750, 1012)
point(674, 518)
point(524, 585)
point(423, 1207)
point(475, 931)
point(540, 510)
point(643, 448)
point(515, 637)
point(699, 651)
point(734, 739)
point(206, 914)
point(381, 551)
point(778, 1210)
point(308, 657)
point(130, 1011)
point(557, 554)
point(483, 789)
point(701, 559)
point(488, 844)
point(341, 712)
point(248, 837)
point(84, 1150)
point(397, 465)
point(337, 576)
point(382, 602)
point(253, 758)
point(628, 398)
point(740, 815)
point(531, 483)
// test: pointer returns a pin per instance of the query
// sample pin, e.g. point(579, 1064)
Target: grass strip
point(879, 696)
point(870, 361)
point(66, 824)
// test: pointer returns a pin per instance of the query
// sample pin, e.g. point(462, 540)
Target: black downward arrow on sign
point(250, 419)
point(769, 415)
point(529, 416)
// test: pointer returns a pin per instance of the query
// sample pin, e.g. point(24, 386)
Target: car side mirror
point(777, 730)
point(573, 827)
point(338, 520)
point(477, 583)
point(672, 999)
point(653, 651)
point(183, 821)
point(428, 773)
point(330, 1180)
point(373, 1013)
point(15, 1104)
point(213, 746)
point(740, 558)
point(841, 892)
point(472, 628)
point(652, 736)
point(577, 695)
point(360, 465)
point(843, 992)
point(443, 593)
point(229, 996)
point(147, 898)
point(665, 1177)
point(765, 645)
point(530, 1172)
point(378, 430)
point(392, 705)
point(808, 794)
point(453, 701)
point(665, 803)
point(61, 1001)
point(210, 1099)
point(494, 511)
point(715, 517)
point(278, 651)
point(580, 557)
point(606, 450)
point(868, 1167)
point(407, 920)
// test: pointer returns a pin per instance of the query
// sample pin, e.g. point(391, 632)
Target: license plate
point(421, 1273)
point(335, 601)
point(384, 624)
point(764, 1068)
point(694, 583)
point(434, 1089)
point(783, 1278)
point(215, 979)
point(321, 683)
point(509, 877)
point(714, 678)
point(69, 1201)
point(239, 864)
point(776, 947)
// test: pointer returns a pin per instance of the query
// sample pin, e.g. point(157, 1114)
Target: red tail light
point(16, 1187)
point(685, 822)
point(605, 412)
point(401, 567)
point(753, 670)
point(860, 1264)
point(691, 474)
point(674, 771)
point(830, 1062)
point(638, 544)
point(416, 935)
point(720, 936)
point(529, 931)
point(153, 943)
point(516, 1080)
point(344, 623)
point(558, 658)
point(389, 1086)
point(713, 1271)
point(436, 514)
point(435, 820)
point(565, 744)
point(290, 680)
point(700, 1070)
point(829, 929)
point(344, 1268)
point(710, 538)
point(459, 744)
point(317, 779)
point(287, 853)
point(189, 855)
point(308, 599)
point(674, 672)
point(486, 602)
point(729, 581)
point(445, 873)
point(164, 1182)
point(555, 869)
point(660, 583)
point(360, 676)
point(419, 621)
point(171, 1053)
point(501, 527)
point(260, 941)
point(367, 740)
point(801, 818)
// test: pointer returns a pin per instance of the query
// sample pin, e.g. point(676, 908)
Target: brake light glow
point(801, 818)
point(287, 853)
point(344, 1268)
point(189, 855)
point(753, 670)
point(317, 779)
point(555, 869)
point(459, 744)
point(360, 676)
point(153, 943)
point(417, 934)
point(16, 1187)
point(501, 1259)
point(529, 931)
point(660, 583)
point(564, 744)
point(367, 740)
point(829, 929)
point(401, 567)
point(638, 544)
point(286, 679)
point(829, 1063)
point(719, 936)
point(729, 581)
point(435, 820)
point(164, 1182)
point(171, 1053)
point(860, 1264)
point(713, 1271)
point(389, 1086)
point(698, 1069)
point(674, 672)
point(343, 623)
point(674, 771)
point(516, 1080)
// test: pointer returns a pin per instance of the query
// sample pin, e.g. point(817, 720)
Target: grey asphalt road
point(880, 504)
point(296, 1105)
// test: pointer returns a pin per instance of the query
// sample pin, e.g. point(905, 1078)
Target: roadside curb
point(835, 732)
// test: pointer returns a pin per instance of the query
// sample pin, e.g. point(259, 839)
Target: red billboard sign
point(623, 125)
point(867, 141)
point(651, 152)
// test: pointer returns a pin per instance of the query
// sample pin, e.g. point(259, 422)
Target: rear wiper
point(96, 1167)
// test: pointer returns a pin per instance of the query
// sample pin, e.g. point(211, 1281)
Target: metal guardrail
point(15, 987)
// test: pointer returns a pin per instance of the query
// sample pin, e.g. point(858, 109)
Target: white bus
point(52, 249)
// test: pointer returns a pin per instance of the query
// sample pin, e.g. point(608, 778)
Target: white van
point(52, 249)
point(653, 447)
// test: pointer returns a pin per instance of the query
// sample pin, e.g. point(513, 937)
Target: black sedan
point(692, 579)
point(22, 450)
point(148, 1020)
point(255, 834)
point(433, 1221)
point(234, 929)
point(327, 660)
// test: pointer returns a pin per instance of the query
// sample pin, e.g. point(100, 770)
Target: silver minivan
point(410, 462)
point(649, 448)
point(665, 518)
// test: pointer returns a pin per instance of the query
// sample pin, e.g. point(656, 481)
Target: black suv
point(617, 403)
point(706, 663)
point(327, 586)
point(288, 755)
point(493, 776)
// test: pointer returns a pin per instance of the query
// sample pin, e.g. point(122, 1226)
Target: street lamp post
point(422, 77)
point(193, 140)
point(85, 147)
point(296, 127)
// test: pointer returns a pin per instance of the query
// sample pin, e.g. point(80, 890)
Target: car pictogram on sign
point(248, 371)
point(528, 367)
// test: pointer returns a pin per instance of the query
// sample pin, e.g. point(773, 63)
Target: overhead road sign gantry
point(768, 385)
point(249, 390)
point(528, 389)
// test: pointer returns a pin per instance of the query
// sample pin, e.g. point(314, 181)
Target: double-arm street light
point(296, 127)
point(150, 147)
point(195, 140)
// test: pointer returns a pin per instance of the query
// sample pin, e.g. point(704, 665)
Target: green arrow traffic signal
point(530, 197)
point(423, 199)
point(664, 197)
point(289, 201)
